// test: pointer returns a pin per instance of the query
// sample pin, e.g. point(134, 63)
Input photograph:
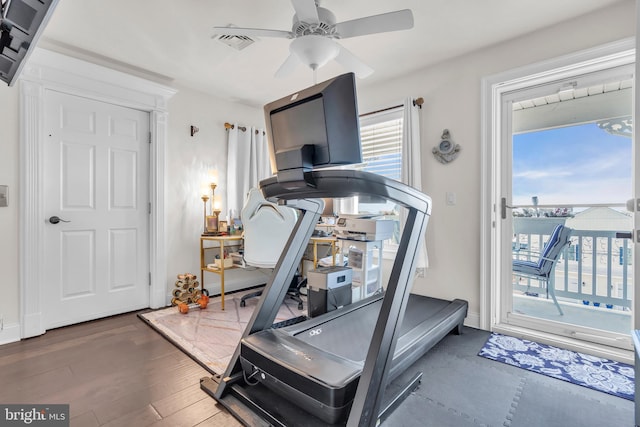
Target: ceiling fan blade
point(352, 63)
point(392, 21)
point(254, 32)
point(306, 11)
point(287, 66)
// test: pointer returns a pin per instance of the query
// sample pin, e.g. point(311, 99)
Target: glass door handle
point(503, 208)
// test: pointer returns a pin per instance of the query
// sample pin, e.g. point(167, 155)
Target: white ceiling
point(171, 40)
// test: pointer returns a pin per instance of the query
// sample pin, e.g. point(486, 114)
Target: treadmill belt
point(348, 336)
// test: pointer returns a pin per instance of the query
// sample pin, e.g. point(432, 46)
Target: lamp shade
point(314, 51)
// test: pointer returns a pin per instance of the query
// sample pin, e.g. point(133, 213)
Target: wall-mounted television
point(314, 128)
point(21, 23)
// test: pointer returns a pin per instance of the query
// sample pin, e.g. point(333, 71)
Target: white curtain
point(247, 164)
point(411, 157)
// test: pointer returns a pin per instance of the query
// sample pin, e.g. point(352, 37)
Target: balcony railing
point(595, 269)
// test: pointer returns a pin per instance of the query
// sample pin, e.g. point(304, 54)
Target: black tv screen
point(314, 128)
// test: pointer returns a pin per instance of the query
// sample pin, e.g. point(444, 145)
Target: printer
point(363, 227)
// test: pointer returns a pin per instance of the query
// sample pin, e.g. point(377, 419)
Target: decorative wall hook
point(194, 130)
point(446, 151)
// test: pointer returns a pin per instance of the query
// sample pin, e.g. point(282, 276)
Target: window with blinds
point(381, 138)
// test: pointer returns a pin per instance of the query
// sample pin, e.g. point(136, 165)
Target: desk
point(315, 240)
point(221, 240)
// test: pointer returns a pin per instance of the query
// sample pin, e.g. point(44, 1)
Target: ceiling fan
point(315, 31)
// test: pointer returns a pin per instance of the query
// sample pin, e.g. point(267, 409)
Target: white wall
point(9, 146)
point(189, 161)
point(452, 101)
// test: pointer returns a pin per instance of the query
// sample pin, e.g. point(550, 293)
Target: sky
point(571, 165)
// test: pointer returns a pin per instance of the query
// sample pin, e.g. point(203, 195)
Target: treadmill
point(335, 368)
point(317, 363)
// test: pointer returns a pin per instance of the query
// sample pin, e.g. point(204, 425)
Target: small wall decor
point(446, 151)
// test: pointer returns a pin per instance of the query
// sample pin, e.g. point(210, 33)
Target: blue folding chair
point(542, 266)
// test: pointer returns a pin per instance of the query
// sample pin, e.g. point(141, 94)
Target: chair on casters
point(267, 227)
point(542, 266)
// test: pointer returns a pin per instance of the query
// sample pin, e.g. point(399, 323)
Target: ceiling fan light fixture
point(314, 51)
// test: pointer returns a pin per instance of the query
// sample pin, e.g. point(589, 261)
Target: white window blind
point(381, 138)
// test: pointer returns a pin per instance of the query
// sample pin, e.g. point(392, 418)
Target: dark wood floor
point(112, 372)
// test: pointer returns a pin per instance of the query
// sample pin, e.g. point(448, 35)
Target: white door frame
point(51, 70)
point(493, 269)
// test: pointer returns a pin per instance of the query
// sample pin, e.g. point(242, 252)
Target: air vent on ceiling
point(236, 42)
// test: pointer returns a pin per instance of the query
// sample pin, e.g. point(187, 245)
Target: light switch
point(451, 198)
point(4, 196)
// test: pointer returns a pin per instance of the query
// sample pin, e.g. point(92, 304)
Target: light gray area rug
point(211, 335)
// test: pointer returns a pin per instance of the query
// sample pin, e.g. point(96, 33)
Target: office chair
point(542, 266)
point(267, 227)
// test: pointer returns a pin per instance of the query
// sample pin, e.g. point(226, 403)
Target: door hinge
point(149, 208)
point(149, 137)
point(637, 236)
point(149, 278)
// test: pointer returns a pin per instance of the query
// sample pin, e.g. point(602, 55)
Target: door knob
point(54, 220)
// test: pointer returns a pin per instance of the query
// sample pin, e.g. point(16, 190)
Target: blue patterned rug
point(578, 368)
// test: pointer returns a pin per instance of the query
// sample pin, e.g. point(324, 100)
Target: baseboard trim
point(472, 320)
point(10, 333)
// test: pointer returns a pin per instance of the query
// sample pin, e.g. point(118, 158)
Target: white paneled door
point(96, 178)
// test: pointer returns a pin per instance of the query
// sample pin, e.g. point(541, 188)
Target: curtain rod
point(228, 126)
point(416, 103)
